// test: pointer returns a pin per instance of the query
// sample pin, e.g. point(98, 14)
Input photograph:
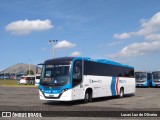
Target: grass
point(13, 83)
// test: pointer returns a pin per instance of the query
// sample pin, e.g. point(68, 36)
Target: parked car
point(28, 79)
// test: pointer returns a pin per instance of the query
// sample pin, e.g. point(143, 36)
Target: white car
point(28, 79)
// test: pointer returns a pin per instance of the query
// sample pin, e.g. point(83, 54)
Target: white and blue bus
point(143, 79)
point(156, 78)
point(76, 78)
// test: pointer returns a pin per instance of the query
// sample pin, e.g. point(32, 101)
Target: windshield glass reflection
point(55, 75)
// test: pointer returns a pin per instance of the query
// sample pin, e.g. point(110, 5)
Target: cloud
point(150, 26)
point(152, 37)
point(74, 54)
point(147, 28)
point(64, 44)
point(122, 36)
point(24, 27)
point(137, 49)
point(150, 30)
point(115, 43)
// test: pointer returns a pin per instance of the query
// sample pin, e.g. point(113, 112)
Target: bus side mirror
point(39, 68)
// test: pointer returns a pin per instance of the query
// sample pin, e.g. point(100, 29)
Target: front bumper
point(65, 96)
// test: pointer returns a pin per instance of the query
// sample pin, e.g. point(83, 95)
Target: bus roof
point(111, 63)
point(156, 71)
point(61, 60)
point(67, 60)
point(142, 72)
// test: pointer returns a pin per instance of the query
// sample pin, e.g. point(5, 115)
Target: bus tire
point(121, 93)
point(88, 96)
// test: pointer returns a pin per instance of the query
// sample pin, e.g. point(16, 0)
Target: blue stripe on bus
point(113, 83)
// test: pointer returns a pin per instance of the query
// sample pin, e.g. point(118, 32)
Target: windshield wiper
point(50, 84)
point(55, 84)
point(43, 83)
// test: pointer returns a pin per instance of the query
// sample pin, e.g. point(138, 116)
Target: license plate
point(51, 95)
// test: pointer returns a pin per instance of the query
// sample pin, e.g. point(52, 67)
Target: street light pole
point(53, 43)
point(29, 68)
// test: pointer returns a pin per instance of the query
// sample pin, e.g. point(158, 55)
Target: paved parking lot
point(27, 99)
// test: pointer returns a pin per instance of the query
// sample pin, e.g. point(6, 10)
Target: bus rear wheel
point(121, 93)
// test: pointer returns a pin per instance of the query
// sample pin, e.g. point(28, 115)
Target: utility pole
point(29, 68)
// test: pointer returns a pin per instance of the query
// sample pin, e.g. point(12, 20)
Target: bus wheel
point(88, 96)
point(121, 94)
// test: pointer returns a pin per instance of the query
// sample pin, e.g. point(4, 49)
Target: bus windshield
point(140, 75)
point(55, 75)
point(156, 75)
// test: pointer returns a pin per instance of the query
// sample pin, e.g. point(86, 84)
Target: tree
point(30, 72)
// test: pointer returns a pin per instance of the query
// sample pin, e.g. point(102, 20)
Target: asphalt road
point(27, 99)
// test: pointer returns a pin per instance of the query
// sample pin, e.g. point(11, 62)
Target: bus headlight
point(63, 91)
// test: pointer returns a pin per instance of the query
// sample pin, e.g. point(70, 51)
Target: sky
point(126, 31)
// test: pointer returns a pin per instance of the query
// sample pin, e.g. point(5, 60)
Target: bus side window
point(77, 72)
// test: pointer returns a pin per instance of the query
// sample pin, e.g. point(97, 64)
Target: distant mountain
point(19, 68)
